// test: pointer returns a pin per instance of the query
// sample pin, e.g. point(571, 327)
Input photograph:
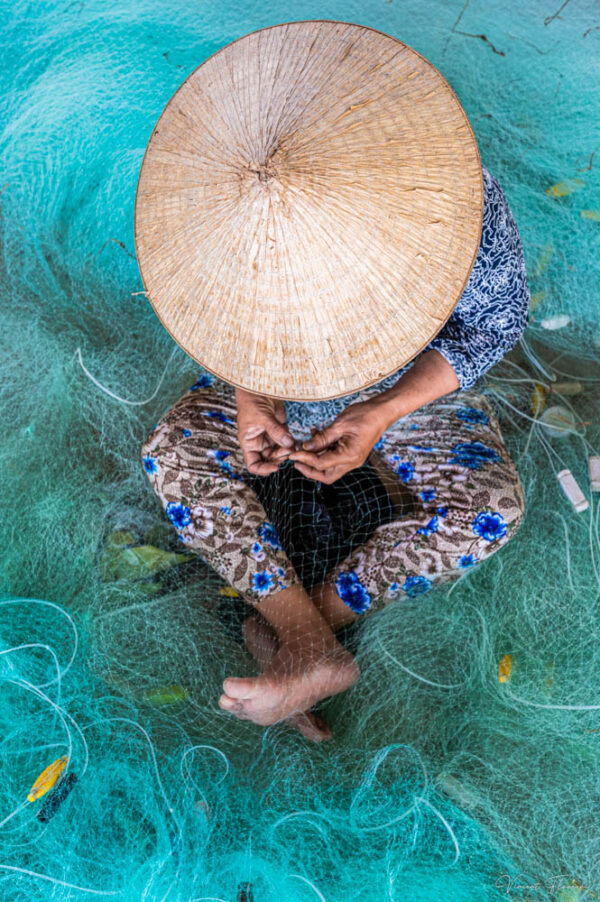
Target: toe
point(240, 687)
point(230, 704)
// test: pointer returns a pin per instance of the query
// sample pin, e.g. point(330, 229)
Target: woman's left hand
point(343, 445)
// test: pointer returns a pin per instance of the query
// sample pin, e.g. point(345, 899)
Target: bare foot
point(303, 671)
point(262, 643)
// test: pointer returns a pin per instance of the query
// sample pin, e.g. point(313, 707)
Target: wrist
point(390, 405)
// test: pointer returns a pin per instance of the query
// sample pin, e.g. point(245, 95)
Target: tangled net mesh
point(440, 781)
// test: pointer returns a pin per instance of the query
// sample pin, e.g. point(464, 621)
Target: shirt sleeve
point(492, 311)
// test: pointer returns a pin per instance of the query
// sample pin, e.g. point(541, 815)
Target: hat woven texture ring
point(309, 209)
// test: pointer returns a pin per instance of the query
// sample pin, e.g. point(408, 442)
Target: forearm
point(430, 377)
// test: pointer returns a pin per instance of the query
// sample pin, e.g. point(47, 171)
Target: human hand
point(343, 445)
point(262, 431)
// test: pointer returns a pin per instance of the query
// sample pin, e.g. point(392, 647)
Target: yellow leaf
point(590, 214)
point(121, 537)
point(538, 399)
point(229, 592)
point(561, 189)
point(138, 562)
point(166, 695)
point(47, 779)
point(573, 892)
point(504, 668)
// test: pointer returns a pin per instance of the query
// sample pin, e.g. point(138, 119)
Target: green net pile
point(440, 782)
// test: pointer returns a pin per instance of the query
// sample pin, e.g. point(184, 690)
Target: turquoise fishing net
point(440, 781)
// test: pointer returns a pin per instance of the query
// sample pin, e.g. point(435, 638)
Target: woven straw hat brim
point(309, 209)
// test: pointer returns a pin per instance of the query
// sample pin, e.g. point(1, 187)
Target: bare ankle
point(332, 608)
point(295, 618)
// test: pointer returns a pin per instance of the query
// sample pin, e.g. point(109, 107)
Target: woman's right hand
point(262, 431)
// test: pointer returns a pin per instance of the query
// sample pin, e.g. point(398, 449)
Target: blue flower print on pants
point(150, 464)
point(472, 415)
point(257, 552)
point(473, 455)
point(262, 582)
point(204, 381)
point(467, 560)
point(352, 592)
point(218, 415)
point(179, 514)
point(432, 526)
point(225, 467)
point(416, 585)
point(268, 534)
point(490, 526)
point(404, 468)
point(219, 455)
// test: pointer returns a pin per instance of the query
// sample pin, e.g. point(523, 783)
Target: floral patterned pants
point(449, 456)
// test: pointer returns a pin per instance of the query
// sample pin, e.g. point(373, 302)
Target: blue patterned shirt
point(487, 321)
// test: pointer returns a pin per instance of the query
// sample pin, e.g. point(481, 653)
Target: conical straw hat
point(309, 209)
